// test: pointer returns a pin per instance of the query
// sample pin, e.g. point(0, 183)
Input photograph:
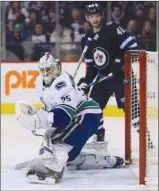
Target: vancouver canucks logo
point(60, 85)
point(101, 57)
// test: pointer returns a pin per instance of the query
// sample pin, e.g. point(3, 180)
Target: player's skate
point(100, 135)
point(119, 162)
point(48, 167)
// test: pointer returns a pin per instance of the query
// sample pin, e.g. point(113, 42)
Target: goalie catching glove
point(31, 118)
point(83, 85)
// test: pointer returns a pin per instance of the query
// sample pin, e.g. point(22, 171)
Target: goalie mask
point(49, 67)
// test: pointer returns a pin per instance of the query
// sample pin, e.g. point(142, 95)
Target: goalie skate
point(43, 178)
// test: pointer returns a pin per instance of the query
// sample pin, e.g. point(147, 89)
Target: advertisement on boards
point(18, 80)
point(18, 83)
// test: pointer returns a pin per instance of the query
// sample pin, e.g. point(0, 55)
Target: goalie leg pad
point(39, 173)
point(95, 159)
point(98, 146)
point(49, 166)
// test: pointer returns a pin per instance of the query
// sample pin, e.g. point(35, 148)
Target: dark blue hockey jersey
point(106, 50)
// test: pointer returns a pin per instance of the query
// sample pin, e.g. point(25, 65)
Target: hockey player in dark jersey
point(105, 55)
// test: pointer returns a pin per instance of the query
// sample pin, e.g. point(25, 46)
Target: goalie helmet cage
point(139, 59)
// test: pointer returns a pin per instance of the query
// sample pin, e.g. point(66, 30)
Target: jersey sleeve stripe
point(65, 105)
point(89, 104)
point(71, 112)
point(117, 60)
point(133, 45)
point(125, 42)
point(66, 112)
point(133, 37)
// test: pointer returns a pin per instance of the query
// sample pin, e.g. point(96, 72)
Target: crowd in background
point(31, 30)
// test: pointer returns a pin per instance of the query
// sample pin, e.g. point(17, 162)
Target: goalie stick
point(88, 146)
point(82, 56)
point(21, 165)
point(24, 164)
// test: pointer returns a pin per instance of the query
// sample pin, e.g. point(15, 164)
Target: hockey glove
point(25, 107)
point(83, 86)
point(40, 120)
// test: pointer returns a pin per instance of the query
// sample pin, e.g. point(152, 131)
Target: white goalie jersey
point(62, 92)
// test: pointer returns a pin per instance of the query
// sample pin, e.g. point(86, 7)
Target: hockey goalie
point(68, 119)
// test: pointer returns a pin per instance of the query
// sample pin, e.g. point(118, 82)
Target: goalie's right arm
point(25, 107)
point(32, 118)
point(42, 119)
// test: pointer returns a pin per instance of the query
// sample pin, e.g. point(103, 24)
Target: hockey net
point(141, 115)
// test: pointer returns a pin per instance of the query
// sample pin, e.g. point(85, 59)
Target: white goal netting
point(151, 119)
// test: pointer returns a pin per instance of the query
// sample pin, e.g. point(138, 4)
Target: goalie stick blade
point(35, 180)
point(21, 165)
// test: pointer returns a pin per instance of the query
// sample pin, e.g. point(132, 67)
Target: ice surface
point(18, 145)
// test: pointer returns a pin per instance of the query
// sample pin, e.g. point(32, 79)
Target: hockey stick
point(21, 165)
point(46, 136)
point(109, 76)
point(82, 56)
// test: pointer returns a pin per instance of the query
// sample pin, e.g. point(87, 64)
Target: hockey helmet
point(49, 67)
point(93, 9)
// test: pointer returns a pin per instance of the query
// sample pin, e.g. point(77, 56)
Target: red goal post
point(136, 67)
